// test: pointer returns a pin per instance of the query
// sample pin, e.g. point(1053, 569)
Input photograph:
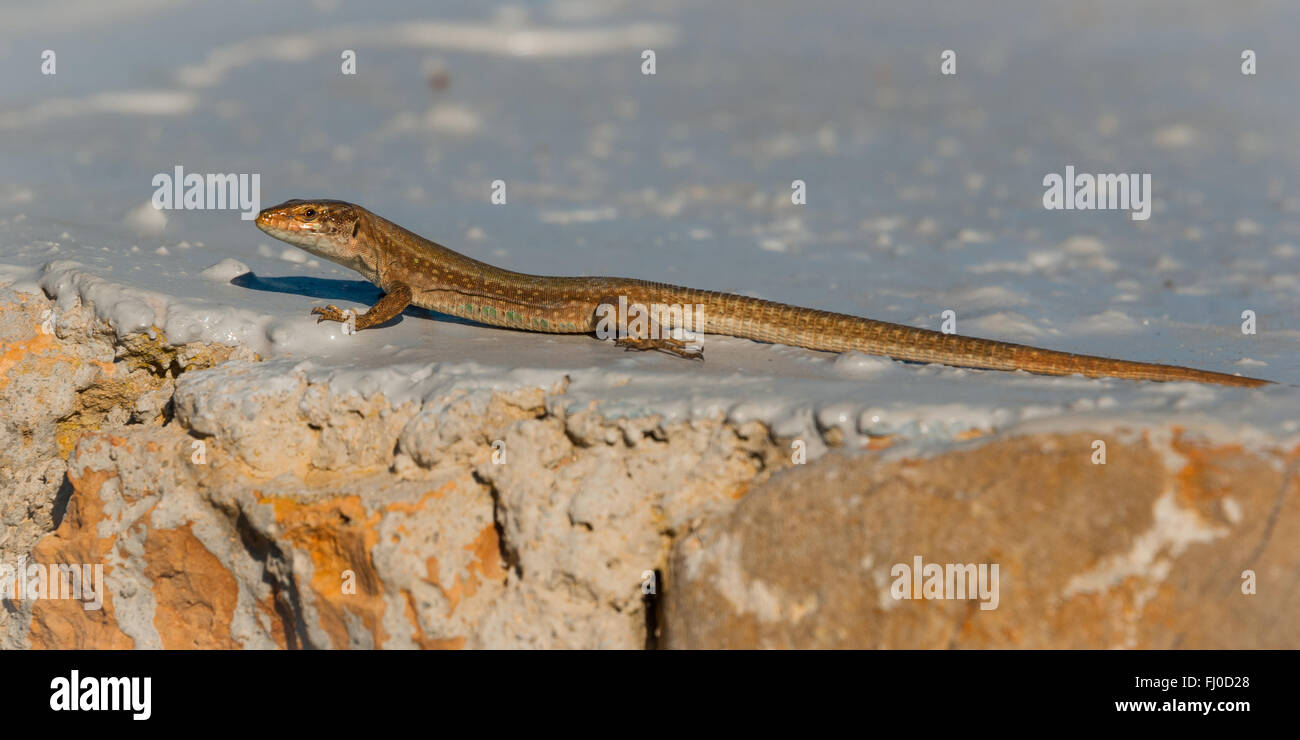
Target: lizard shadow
point(330, 289)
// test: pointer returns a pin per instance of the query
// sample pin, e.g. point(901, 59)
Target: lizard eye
point(309, 214)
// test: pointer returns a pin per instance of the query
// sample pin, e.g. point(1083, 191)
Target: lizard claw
point(329, 313)
point(346, 317)
point(666, 344)
point(681, 349)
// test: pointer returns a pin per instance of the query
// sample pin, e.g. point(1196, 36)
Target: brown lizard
point(413, 270)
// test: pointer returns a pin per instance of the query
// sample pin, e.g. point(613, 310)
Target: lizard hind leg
point(666, 344)
point(645, 334)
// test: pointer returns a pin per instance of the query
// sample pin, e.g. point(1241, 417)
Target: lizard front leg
point(393, 303)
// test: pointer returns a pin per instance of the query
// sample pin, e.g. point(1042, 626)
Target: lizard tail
point(779, 323)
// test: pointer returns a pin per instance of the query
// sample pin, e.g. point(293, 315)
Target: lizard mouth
point(272, 222)
point(284, 227)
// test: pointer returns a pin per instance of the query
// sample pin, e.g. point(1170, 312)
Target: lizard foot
point(667, 344)
point(347, 317)
point(330, 313)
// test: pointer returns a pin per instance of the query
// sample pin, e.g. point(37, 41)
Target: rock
point(236, 503)
point(1145, 551)
point(42, 380)
point(343, 522)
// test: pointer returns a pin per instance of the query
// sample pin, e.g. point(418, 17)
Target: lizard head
point(326, 228)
